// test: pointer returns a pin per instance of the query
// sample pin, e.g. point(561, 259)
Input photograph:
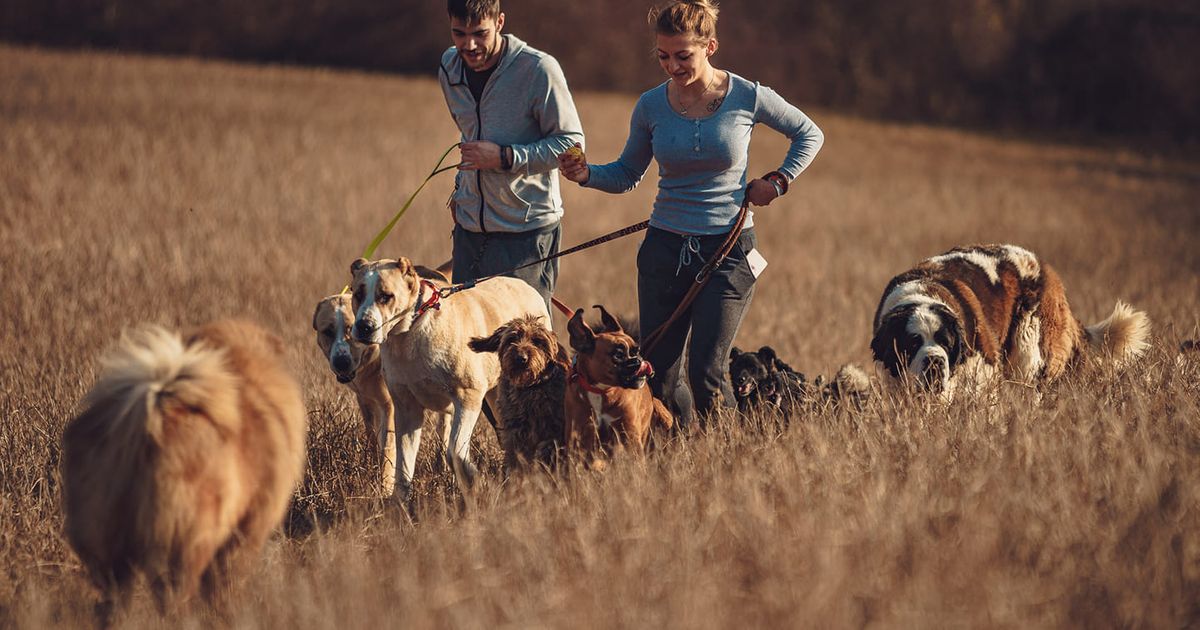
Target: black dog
point(760, 379)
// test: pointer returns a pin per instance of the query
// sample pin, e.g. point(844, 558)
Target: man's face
point(478, 43)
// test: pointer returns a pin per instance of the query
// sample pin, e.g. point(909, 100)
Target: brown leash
point(649, 341)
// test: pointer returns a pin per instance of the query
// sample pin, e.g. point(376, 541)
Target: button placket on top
point(697, 146)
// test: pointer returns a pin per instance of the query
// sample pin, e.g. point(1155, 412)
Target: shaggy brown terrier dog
point(183, 460)
point(533, 375)
point(607, 401)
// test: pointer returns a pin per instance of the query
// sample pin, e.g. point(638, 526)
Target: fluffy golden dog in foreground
point(184, 458)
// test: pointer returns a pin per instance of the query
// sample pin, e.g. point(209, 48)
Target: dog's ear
point(404, 265)
point(429, 274)
point(490, 343)
point(358, 263)
point(609, 322)
point(885, 344)
point(734, 353)
point(317, 312)
point(767, 354)
point(582, 338)
point(956, 351)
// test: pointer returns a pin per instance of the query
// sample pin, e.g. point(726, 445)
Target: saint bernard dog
point(985, 310)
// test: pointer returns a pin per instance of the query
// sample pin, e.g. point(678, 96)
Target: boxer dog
point(606, 400)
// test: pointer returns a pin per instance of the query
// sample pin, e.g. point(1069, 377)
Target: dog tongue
point(645, 369)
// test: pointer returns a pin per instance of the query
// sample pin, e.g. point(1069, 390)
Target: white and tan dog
point(983, 311)
point(427, 363)
point(357, 366)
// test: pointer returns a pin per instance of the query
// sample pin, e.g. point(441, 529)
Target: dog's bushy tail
point(852, 384)
point(1124, 336)
point(110, 450)
point(152, 368)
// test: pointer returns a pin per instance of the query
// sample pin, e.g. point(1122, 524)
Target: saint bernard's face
point(921, 342)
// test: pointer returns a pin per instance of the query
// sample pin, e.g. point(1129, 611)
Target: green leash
point(370, 251)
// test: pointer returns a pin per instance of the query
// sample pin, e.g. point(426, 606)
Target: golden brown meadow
point(176, 191)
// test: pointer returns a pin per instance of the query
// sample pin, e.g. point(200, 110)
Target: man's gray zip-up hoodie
point(525, 105)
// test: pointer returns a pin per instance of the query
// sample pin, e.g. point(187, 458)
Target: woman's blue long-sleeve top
point(702, 161)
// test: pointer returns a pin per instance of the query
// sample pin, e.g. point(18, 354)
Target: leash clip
point(446, 292)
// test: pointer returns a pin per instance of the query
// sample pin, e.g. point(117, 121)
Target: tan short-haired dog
point(184, 457)
point(607, 401)
point(426, 361)
point(533, 375)
point(357, 366)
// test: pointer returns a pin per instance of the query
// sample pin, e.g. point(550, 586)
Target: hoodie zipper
point(478, 136)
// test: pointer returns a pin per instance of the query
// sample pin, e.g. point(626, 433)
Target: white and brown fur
point(427, 364)
point(984, 311)
point(533, 375)
point(357, 366)
point(184, 458)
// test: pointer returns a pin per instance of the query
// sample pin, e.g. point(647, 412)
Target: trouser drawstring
point(691, 245)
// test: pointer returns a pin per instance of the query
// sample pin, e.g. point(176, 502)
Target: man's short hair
point(473, 10)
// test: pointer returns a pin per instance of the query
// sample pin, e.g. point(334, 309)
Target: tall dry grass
point(172, 191)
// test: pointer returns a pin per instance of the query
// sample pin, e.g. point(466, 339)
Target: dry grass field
point(174, 191)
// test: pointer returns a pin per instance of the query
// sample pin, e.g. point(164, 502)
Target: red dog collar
point(434, 301)
point(578, 378)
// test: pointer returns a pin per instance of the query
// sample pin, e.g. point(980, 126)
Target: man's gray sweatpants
point(477, 255)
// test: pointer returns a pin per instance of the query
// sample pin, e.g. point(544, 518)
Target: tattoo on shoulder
point(715, 103)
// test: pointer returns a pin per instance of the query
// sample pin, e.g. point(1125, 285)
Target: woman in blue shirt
point(697, 126)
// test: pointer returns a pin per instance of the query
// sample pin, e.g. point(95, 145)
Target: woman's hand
point(761, 192)
point(574, 166)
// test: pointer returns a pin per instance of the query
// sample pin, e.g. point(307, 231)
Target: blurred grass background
point(1123, 68)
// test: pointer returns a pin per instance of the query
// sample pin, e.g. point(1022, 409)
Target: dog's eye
point(384, 298)
point(916, 340)
point(328, 332)
point(540, 342)
point(358, 295)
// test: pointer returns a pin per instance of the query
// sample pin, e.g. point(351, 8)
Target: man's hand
point(480, 155)
point(762, 192)
point(573, 165)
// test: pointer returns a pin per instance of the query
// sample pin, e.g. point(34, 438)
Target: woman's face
point(683, 58)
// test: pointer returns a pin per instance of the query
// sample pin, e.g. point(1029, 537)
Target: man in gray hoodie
point(511, 103)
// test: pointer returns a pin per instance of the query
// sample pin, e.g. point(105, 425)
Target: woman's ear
point(712, 47)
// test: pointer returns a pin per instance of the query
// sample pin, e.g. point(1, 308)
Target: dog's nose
point(520, 359)
point(934, 372)
point(362, 330)
point(341, 363)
